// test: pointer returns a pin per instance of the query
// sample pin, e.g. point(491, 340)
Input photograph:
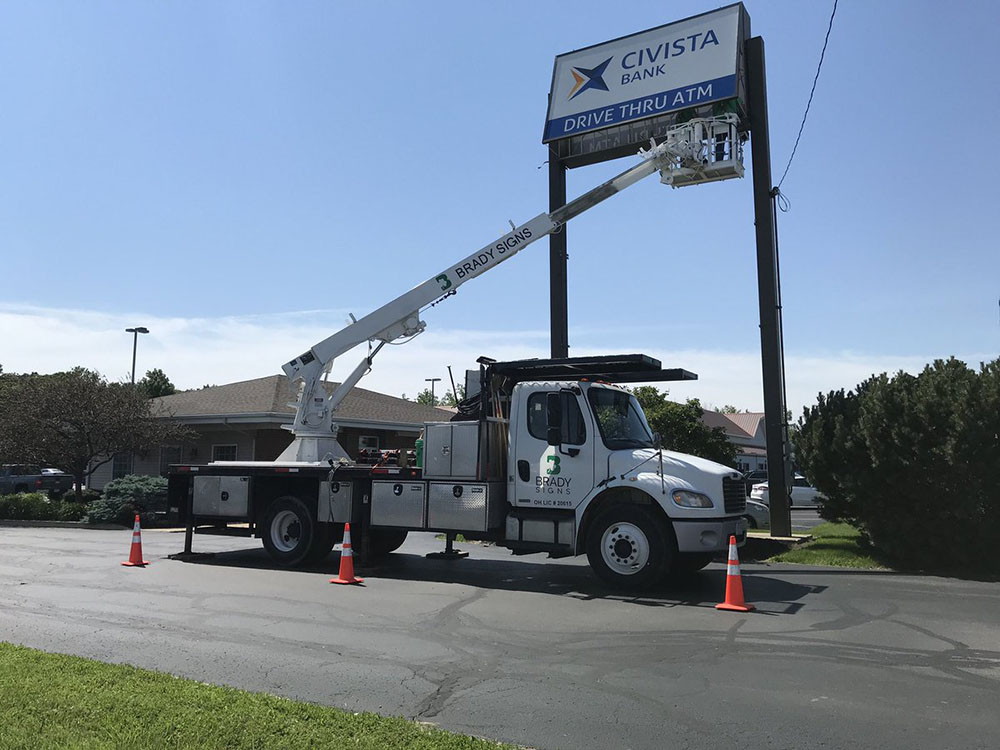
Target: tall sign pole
point(775, 430)
point(558, 280)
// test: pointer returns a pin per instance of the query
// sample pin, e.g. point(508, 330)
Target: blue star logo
point(589, 78)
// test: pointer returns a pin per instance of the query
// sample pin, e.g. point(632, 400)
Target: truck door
point(552, 476)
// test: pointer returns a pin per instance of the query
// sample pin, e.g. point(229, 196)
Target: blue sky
point(240, 175)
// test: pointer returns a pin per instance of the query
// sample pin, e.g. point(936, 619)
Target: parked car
point(751, 478)
point(20, 478)
point(758, 515)
point(29, 478)
point(56, 481)
point(803, 495)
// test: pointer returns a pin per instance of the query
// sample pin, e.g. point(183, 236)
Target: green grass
point(57, 701)
point(458, 538)
point(833, 544)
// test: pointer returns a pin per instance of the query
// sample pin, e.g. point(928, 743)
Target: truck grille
point(734, 495)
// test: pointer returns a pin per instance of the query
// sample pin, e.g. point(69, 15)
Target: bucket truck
point(549, 456)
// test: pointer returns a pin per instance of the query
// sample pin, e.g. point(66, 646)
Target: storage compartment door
point(206, 496)
point(399, 504)
point(335, 502)
point(234, 492)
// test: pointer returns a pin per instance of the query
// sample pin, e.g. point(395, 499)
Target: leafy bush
point(912, 462)
point(67, 511)
point(125, 497)
point(26, 506)
point(86, 496)
point(36, 506)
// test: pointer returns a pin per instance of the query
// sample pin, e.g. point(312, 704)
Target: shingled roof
point(266, 399)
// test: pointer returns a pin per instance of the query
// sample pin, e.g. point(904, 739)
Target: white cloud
point(199, 351)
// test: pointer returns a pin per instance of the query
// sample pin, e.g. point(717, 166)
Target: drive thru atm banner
point(680, 65)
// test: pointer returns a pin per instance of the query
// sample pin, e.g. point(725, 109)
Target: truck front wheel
point(289, 531)
point(630, 547)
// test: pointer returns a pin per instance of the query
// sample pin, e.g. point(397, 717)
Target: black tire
point(635, 531)
point(288, 531)
point(751, 523)
point(327, 535)
point(382, 542)
point(21, 488)
point(692, 562)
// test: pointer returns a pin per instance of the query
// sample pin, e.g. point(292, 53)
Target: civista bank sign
point(673, 67)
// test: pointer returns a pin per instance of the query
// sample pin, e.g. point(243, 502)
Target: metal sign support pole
point(776, 433)
point(558, 295)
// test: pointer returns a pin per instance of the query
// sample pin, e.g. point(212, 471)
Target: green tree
point(77, 421)
point(426, 397)
point(448, 399)
point(155, 383)
point(727, 409)
point(912, 461)
point(681, 428)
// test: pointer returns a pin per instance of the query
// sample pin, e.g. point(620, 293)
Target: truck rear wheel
point(327, 535)
point(288, 531)
point(630, 547)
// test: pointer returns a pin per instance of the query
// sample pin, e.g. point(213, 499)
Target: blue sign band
point(641, 108)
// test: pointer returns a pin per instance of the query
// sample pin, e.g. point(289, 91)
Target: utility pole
point(558, 295)
point(135, 343)
point(432, 381)
point(769, 296)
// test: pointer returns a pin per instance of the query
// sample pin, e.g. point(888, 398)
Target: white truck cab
point(633, 509)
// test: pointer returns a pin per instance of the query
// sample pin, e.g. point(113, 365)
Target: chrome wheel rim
point(286, 530)
point(625, 548)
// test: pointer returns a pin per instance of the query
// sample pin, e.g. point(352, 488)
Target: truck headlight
point(688, 499)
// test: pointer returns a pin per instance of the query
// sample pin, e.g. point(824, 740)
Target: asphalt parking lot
point(530, 650)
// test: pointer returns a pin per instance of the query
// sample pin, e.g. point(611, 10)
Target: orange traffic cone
point(135, 553)
point(734, 584)
point(346, 574)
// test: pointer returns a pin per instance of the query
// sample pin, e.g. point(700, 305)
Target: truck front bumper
point(709, 536)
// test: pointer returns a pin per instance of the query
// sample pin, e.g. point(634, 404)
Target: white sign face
point(672, 67)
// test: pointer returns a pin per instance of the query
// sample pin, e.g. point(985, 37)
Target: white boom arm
point(689, 148)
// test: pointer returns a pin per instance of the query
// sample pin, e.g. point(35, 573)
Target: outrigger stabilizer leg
point(449, 553)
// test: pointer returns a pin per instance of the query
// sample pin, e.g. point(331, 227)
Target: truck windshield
point(620, 419)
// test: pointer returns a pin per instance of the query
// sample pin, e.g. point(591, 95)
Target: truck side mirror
point(553, 418)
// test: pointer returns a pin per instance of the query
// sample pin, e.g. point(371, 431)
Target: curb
point(61, 525)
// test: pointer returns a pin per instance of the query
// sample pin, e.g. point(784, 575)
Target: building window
point(121, 465)
point(223, 452)
point(368, 441)
point(169, 454)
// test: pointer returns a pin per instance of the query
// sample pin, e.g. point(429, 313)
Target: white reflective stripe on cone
point(734, 570)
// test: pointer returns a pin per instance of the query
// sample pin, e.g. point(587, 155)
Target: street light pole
point(432, 381)
point(135, 343)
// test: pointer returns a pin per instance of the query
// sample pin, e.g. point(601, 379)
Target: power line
point(813, 91)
